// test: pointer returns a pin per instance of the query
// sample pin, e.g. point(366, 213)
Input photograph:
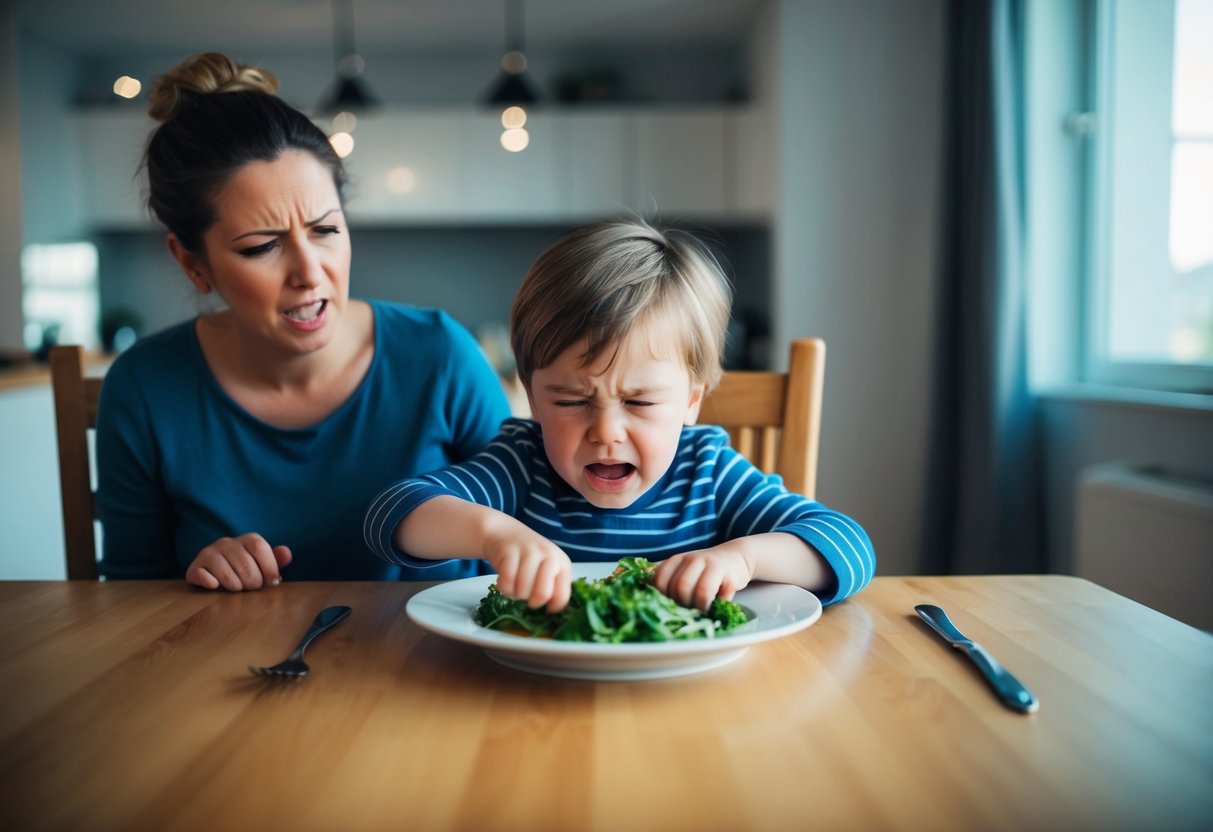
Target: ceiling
point(110, 27)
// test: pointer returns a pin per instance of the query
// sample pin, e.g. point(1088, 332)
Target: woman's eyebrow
point(274, 232)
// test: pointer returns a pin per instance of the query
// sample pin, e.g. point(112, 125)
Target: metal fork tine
point(294, 667)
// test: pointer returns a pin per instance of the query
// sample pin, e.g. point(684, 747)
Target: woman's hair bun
point(210, 72)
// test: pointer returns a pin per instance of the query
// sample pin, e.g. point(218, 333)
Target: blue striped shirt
point(711, 494)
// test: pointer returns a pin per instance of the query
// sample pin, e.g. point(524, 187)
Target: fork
point(293, 666)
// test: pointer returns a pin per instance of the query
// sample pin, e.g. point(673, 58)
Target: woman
point(243, 446)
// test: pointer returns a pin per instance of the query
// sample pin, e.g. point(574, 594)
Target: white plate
point(447, 610)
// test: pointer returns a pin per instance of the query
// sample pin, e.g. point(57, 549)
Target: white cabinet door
point(751, 143)
point(503, 186)
point(681, 163)
point(445, 166)
point(406, 167)
point(29, 487)
point(596, 164)
point(113, 188)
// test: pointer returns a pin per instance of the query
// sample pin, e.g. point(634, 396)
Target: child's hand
point(238, 563)
point(695, 579)
point(530, 567)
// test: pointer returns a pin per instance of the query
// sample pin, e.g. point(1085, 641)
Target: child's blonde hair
point(597, 283)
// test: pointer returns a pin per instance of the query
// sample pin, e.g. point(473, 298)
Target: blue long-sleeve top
point(711, 494)
point(181, 464)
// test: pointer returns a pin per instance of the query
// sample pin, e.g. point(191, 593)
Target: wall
point(1083, 429)
point(859, 116)
point(51, 207)
point(10, 185)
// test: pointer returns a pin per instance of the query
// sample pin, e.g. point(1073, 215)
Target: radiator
point(1147, 535)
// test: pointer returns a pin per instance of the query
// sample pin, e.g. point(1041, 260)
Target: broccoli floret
point(727, 614)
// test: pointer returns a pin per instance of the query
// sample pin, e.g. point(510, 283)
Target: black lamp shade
point(511, 88)
point(349, 93)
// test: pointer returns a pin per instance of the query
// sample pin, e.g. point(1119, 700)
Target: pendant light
point(350, 92)
point(513, 90)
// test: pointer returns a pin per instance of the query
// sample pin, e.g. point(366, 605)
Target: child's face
point(611, 432)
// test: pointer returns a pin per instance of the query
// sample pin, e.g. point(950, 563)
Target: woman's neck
point(285, 389)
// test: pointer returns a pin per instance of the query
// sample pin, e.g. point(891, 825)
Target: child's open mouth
point(609, 476)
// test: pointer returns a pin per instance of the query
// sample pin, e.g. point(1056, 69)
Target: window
point(1149, 300)
point(59, 295)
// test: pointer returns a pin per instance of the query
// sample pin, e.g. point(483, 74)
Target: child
point(618, 331)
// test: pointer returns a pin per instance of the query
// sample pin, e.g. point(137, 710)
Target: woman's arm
point(135, 512)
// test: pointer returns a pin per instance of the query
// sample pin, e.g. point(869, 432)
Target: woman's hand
point(238, 563)
point(529, 566)
point(695, 579)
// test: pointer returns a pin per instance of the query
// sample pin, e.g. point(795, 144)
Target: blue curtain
point(983, 504)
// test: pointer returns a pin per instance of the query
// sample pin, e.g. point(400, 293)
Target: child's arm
point(696, 578)
point(770, 534)
point(528, 565)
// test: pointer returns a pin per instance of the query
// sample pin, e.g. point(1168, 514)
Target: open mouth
point(308, 311)
point(611, 471)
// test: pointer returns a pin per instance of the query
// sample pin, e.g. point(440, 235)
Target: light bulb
point(515, 139)
point(345, 122)
point(343, 144)
point(401, 180)
point(514, 62)
point(127, 87)
point(513, 117)
point(351, 65)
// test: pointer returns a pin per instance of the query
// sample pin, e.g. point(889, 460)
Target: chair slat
point(769, 446)
point(774, 419)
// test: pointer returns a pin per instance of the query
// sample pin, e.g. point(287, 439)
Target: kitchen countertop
point(32, 373)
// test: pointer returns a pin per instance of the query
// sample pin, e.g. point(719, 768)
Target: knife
point(1009, 689)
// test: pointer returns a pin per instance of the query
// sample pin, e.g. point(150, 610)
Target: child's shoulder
point(704, 438)
point(515, 430)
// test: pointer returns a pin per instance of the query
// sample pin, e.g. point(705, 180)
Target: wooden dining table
point(129, 706)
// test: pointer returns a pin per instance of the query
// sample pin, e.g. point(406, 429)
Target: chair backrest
point(774, 419)
point(76, 398)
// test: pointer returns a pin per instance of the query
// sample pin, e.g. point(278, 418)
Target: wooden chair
point(774, 419)
point(76, 400)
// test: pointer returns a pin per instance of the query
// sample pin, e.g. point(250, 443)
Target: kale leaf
point(622, 607)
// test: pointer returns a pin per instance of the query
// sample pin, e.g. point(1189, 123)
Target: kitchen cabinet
point(446, 166)
point(502, 186)
point(680, 163)
point(405, 167)
point(596, 157)
point(32, 547)
point(750, 154)
point(113, 189)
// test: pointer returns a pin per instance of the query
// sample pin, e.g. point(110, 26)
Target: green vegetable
point(624, 606)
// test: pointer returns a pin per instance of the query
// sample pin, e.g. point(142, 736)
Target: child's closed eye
point(571, 402)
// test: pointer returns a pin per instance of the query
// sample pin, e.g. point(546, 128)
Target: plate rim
point(497, 640)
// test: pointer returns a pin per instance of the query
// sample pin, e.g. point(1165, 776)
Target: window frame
point(1095, 365)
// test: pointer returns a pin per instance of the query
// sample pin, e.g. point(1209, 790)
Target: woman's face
point(279, 253)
